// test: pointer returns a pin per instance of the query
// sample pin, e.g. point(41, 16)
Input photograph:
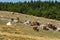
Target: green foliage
point(36, 8)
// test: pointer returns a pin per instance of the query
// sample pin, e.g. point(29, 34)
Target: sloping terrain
point(19, 31)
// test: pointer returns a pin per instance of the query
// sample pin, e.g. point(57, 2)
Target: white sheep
point(9, 23)
point(15, 21)
point(27, 22)
point(58, 29)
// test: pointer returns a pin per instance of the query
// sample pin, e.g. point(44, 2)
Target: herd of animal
point(35, 24)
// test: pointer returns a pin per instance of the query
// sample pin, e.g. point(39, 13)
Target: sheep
point(9, 23)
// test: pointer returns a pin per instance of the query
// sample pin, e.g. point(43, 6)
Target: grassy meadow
point(19, 31)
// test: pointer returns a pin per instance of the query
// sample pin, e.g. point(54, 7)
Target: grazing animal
point(18, 19)
point(12, 19)
point(35, 23)
point(38, 23)
point(15, 20)
point(52, 26)
point(49, 27)
point(9, 24)
point(58, 29)
point(45, 28)
point(35, 28)
point(27, 22)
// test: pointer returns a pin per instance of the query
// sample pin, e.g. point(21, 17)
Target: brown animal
point(35, 23)
point(35, 28)
point(18, 19)
point(45, 28)
point(12, 19)
point(49, 26)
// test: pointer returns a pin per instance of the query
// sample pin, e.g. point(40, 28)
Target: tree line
point(47, 9)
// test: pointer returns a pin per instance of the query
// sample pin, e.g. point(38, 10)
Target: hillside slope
point(20, 31)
